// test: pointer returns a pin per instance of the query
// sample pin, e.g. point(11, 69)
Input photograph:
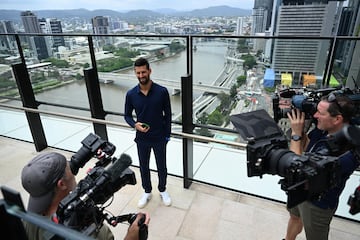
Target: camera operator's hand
point(299, 139)
point(297, 121)
point(138, 229)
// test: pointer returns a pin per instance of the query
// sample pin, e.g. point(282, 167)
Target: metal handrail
point(95, 120)
point(186, 36)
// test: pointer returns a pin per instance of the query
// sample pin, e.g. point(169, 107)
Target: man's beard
point(144, 81)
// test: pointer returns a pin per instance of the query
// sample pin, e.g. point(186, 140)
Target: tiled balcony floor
point(201, 212)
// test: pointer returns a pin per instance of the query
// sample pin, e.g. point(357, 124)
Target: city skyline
point(126, 5)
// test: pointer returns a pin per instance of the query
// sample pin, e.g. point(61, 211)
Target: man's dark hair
point(141, 62)
point(342, 105)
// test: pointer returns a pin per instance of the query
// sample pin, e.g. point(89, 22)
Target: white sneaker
point(144, 200)
point(165, 198)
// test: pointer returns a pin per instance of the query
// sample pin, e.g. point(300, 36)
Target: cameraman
point(48, 179)
point(333, 112)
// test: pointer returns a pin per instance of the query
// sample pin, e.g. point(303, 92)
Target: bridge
point(176, 84)
point(204, 103)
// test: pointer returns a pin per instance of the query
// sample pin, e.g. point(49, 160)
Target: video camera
point(83, 208)
point(354, 201)
point(304, 177)
point(306, 100)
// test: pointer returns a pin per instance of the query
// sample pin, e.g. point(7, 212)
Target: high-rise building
point(51, 26)
point(261, 15)
point(119, 26)
point(55, 26)
point(30, 22)
point(294, 58)
point(239, 26)
point(345, 65)
point(262, 22)
point(100, 25)
point(48, 39)
point(37, 43)
point(7, 42)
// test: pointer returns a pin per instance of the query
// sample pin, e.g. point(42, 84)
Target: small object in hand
point(145, 125)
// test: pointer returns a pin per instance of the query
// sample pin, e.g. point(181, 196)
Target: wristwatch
point(295, 137)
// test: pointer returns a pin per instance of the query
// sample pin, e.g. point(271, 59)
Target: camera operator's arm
point(137, 228)
point(299, 139)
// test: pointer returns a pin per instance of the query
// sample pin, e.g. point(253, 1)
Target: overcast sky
point(121, 5)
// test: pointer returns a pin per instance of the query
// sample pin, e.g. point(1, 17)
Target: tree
point(176, 47)
point(270, 89)
point(6, 82)
point(249, 62)
point(37, 77)
point(225, 101)
point(58, 62)
point(54, 74)
point(203, 118)
point(125, 53)
point(259, 53)
point(109, 65)
point(78, 76)
point(203, 131)
point(109, 48)
point(241, 80)
point(216, 118)
point(233, 91)
point(242, 46)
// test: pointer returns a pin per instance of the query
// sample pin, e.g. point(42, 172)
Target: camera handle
point(130, 218)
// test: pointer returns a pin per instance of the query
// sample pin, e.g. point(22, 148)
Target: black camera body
point(354, 201)
point(304, 177)
point(82, 209)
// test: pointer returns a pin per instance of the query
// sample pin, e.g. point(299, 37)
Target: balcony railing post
point(92, 52)
point(95, 101)
point(330, 62)
point(28, 99)
point(188, 126)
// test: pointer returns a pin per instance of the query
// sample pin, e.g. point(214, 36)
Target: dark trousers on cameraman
point(144, 151)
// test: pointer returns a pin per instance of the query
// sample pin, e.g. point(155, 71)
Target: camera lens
point(79, 159)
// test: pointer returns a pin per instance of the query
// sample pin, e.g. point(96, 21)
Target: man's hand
point(297, 124)
point(297, 121)
point(138, 229)
point(142, 127)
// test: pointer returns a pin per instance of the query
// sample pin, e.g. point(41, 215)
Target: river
point(209, 60)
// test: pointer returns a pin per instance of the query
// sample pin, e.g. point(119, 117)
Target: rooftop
point(200, 212)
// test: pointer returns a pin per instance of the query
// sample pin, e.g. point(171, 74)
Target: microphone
point(117, 168)
point(120, 174)
point(110, 180)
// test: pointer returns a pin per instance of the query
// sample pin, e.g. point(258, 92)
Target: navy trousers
point(144, 150)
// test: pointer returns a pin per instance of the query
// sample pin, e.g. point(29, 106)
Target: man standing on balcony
point(151, 103)
point(315, 215)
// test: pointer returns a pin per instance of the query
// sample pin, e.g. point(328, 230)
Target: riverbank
point(208, 63)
